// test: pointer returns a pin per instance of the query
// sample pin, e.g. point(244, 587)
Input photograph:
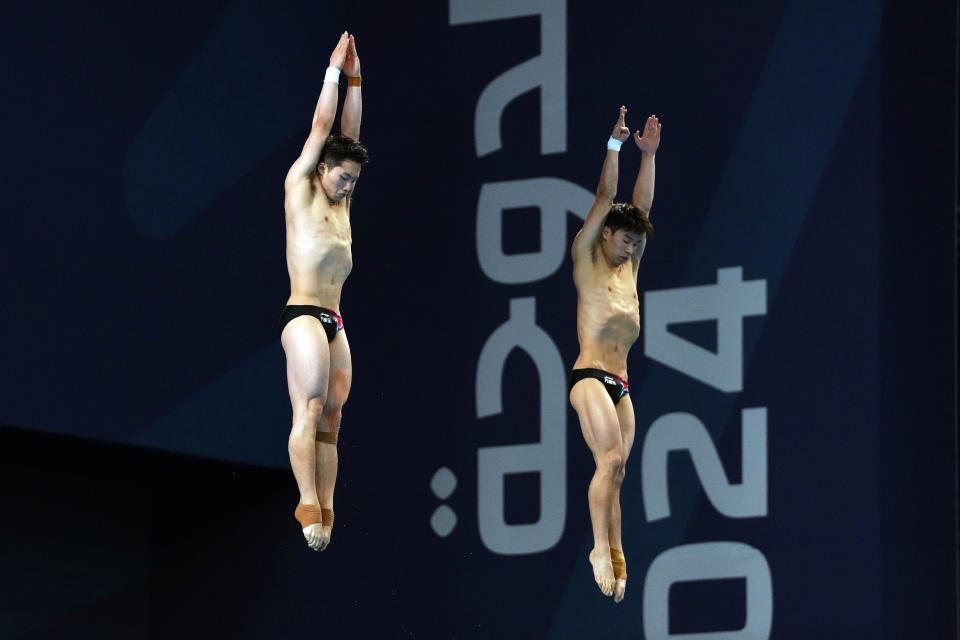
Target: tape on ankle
point(308, 514)
point(327, 517)
point(619, 563)
point(329, 437)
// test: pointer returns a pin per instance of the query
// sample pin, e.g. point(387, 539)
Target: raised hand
point(352, 65)
point(620, 130)
point(650, 139)
point(339, 55)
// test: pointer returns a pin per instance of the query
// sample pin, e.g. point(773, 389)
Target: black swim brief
point(615, 385)
point(331, 320)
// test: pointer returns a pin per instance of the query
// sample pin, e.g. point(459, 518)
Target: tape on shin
point(619, 563)
point(329, 437)
point(327, 517)
point(308, 514)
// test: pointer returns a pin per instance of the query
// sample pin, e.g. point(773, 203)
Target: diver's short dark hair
point(340, 147)
point(627, 216)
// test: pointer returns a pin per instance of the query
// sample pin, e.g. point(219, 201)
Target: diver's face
point(620, 245)
point(338, 182)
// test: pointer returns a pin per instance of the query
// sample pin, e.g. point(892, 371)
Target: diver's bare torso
point(608, 312)
point(317, 196)
point(606, 258)
point(319, 256)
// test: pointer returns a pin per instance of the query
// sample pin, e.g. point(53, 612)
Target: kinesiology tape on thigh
point(619, 563)
point(329, 437)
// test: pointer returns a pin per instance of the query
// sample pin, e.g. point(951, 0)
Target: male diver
point(606, 256)
point(317, 194)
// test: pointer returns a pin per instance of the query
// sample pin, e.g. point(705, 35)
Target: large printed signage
point(553, 197)
point(727, 302)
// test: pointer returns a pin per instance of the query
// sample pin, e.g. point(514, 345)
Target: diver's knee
point(309, 412)
point(618, 479)
point(306, 416)
point(612, 463)
point(331, 433)
point(333, 421)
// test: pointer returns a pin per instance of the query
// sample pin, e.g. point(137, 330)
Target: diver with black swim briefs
point(331, 320)
point(606, 258)
point(616, 386)
point(318, 193)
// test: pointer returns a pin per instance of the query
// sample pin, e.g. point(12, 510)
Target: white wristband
point(332, 75)
point(614, 144)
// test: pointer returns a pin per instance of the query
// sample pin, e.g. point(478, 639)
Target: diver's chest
point(331, 227)
point(620, 283)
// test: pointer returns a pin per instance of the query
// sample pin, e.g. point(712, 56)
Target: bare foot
point(602, 572)
point(311, 515)
point(620, 590)
point(327, 527)
point(325, 536)
point(314, 536)
point(619, 573)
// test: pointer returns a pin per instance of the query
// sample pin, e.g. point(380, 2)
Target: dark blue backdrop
point(809, 144)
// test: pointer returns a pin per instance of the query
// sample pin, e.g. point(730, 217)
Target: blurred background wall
point(793, 474)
